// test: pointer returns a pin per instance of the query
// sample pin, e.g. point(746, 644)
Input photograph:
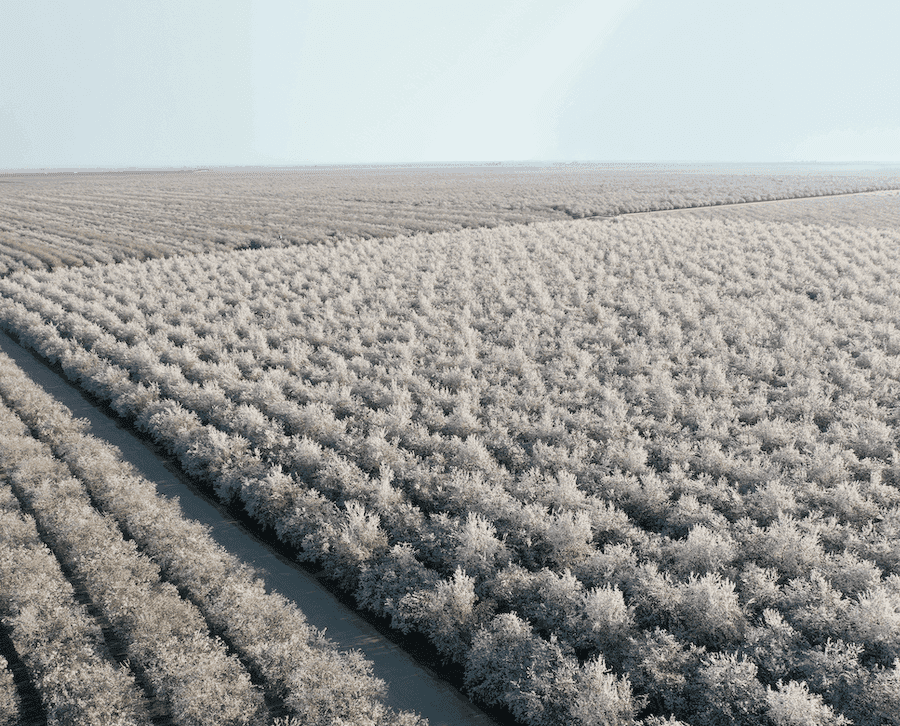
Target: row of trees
point(9, 697)
point(317, 683)
point(448, 429)
point(165, 637)
point(54, 636)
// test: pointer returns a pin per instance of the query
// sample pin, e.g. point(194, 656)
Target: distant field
point(54, 220)
point(880, 210)
point(615, 470)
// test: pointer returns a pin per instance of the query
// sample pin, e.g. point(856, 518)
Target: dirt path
point(412, 686)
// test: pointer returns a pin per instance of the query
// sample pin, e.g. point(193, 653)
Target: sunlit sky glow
point(171, 84)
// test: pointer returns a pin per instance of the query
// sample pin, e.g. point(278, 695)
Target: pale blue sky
point(148, 84)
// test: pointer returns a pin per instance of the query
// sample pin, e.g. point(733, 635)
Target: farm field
point(632, 470)
point(876, 209)
point(54, 220)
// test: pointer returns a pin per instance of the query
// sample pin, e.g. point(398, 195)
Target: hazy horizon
point(277, 84)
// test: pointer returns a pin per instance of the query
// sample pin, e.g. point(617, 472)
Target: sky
point(123, 84)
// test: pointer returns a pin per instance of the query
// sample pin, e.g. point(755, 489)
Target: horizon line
point(422, 164)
